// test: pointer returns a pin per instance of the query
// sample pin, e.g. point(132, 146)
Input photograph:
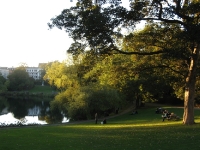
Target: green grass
point(144, 131)
point(42, 89)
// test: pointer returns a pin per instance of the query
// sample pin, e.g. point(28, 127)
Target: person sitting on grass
point(166, 115)
point(173, 116)
point(104, 121)
point(134, 112)
point(159, 110)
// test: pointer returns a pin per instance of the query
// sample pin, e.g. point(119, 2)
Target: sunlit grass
point(144, 131)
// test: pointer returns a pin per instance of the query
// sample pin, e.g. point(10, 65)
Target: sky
point(24, 34)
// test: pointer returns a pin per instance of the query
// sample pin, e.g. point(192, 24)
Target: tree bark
point(188, 115)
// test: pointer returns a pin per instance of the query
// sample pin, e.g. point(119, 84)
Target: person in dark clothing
point(104, 121)
point(166, 115)
point(96, 118)
point(117, 111)
point(158, 110)
point(134, 112)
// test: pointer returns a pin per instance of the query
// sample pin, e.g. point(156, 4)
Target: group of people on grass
point(166, 114)
point(169, 116)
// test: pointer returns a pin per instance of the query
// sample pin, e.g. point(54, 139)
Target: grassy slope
point(144, 131)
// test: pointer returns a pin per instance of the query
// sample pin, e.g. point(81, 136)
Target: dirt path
point(129, 109)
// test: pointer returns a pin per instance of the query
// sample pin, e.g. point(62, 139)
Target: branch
point(138, 53)
point(161, 19)
point(160, 11)
point(177, 10)
point(163, 66)
point(173, 21)
point(178, 72)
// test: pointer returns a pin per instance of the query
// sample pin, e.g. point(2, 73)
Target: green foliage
point(100, 25)
point(166, 72)
point(42, 89)
point(114, 70)
point(60, 75)
point(3, 84)
point(80, 103)
point(71, 102)
point(80, 28)
point(55, 114)
point(3, 103)
point(19, 80)
point(102, 98)
point(84, 64)
point(197, 96)
point(135, 77)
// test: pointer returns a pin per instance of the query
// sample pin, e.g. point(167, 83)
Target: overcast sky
point(24, 34)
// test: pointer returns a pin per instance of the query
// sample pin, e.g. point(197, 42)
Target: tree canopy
point(19, 80)
point(3, 84)
point(101, 27)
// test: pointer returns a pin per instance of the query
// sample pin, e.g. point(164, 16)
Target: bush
point(80, 103)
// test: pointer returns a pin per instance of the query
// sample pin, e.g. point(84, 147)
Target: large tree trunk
point(188, 115)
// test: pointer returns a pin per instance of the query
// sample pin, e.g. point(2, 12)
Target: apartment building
point(34, 72)
point(4, 71)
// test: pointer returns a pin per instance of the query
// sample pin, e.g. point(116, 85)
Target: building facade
point(4, 71)
point(34, 72)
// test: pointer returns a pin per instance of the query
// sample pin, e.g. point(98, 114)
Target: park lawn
point(144, 131)
point(42, 89)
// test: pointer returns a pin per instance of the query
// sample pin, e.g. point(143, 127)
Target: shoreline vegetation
point(37, 91)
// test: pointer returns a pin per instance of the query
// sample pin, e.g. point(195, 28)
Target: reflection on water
point(26, 111)
point(10, 119)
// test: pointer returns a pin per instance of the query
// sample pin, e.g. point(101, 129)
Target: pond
point(27, 111)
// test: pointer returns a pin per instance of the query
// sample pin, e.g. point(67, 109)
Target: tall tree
point(19, 80)
point(61, 75)
point(99, 25)
point(170, 66)
point(3, 84)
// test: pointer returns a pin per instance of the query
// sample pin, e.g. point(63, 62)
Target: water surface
point(27, 111)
